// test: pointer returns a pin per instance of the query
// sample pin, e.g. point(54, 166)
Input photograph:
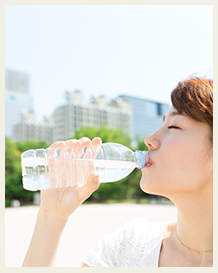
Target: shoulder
point(140, 226)
point(135, 232)
point(127, 245)
point(139, 229)
point(143, 234)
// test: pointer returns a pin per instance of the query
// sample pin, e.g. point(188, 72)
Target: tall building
point(75, 114)
point(17, 97)
point(147, 116)
point(29, 129)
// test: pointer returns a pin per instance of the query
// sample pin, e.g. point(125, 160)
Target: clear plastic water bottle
point(56, 168)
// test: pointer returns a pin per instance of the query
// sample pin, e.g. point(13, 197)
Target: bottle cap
point(141, 158)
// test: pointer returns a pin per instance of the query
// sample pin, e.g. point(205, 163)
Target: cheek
point(177, 165)
point(182, 158)
point(174, 153)
point(180, 164)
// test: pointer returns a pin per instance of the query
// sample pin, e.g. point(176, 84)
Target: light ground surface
point(84, 228)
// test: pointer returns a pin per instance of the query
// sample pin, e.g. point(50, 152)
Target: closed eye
point(173, 127)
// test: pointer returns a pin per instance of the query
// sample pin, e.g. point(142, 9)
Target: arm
point(45, 241)
point(55, 207)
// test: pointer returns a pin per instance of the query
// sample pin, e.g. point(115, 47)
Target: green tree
point(31, 144)
point(105, 133)
point(13, 178)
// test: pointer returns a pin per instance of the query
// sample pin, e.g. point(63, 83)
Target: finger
point(75, 146)
point(96, 141)
point(86, 190)
point(87, 153)
point(57, 144)
point(73, 143)
point(52, 167)
point(93, 149)
point(52, 156)
point(96, 145)
point(86, 142)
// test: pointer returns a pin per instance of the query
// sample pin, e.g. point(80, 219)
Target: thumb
point(91, 185)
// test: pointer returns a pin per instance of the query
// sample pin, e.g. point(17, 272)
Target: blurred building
point(147, 116)
point(29, 129)
point(17, 97)
point(75, 114)
point(136, 116)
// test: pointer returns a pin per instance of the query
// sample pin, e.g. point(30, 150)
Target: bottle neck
point(141, 158)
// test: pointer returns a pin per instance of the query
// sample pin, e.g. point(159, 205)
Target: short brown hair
point(194, 97)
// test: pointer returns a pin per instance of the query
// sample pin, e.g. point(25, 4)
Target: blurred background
point(104, 70)
point(107, 71)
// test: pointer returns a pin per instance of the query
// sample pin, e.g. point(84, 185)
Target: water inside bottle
point(69, 172)
point(113, 170)
point(35, 176)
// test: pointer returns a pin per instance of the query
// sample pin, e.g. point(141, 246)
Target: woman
point(181, 169)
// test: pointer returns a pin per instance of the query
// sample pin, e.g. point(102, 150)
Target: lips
point(149, 163)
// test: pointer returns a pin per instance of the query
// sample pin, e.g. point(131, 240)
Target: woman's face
point(181, 157)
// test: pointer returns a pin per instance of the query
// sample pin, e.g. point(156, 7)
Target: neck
point(195, 225)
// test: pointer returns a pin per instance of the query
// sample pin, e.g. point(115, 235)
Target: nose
point(152, 141)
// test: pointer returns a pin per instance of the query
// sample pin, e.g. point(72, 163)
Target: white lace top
point(136, 244)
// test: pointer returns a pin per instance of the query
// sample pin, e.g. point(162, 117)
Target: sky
point(137, 50)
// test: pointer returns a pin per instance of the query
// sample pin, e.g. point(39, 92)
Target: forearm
point(45, 241)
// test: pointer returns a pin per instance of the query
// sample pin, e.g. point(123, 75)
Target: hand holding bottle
point(64, 201)
point(65, 175)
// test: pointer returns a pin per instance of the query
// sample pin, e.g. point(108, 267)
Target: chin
point(147, 186)
point(151, 187)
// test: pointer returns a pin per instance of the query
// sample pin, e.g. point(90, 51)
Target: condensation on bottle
point(57, 168)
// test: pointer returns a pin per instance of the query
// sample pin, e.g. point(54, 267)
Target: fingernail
point(95, 177)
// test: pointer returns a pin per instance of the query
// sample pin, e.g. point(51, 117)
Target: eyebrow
point(172, 114)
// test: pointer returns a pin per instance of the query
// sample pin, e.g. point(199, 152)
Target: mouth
point(148, 164)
